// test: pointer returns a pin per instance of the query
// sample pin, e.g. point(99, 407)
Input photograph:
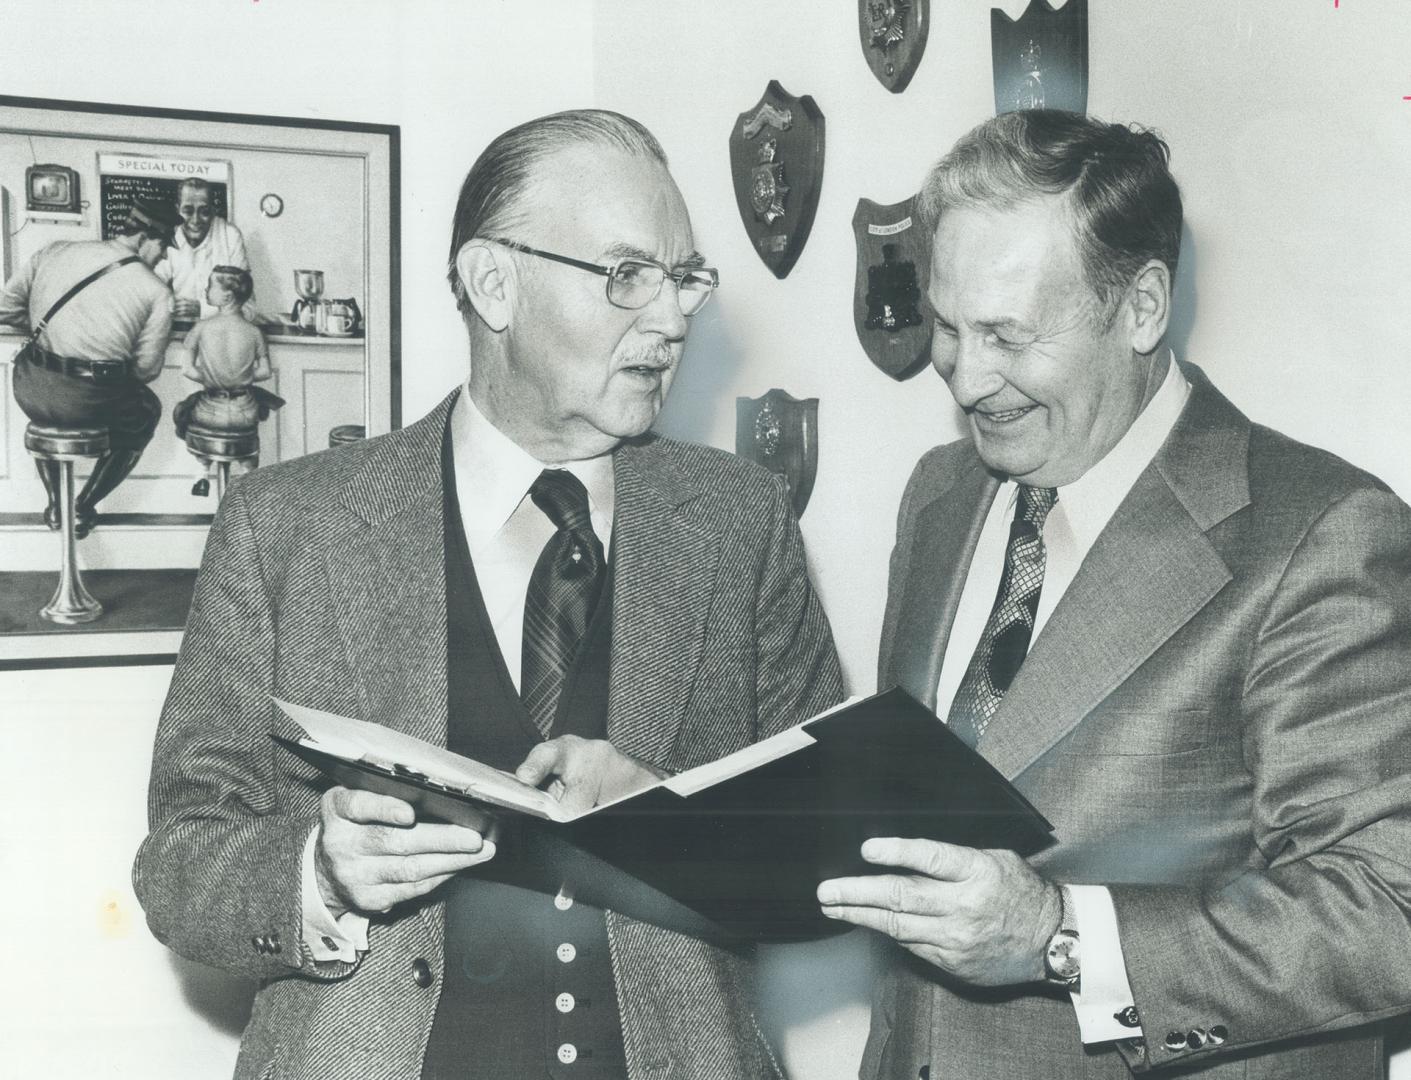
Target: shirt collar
point(498, 472)
point(1090, 501)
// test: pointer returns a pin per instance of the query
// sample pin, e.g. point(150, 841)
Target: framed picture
point(310, 209)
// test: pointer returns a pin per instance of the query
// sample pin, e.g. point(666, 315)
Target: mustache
point(656, 356)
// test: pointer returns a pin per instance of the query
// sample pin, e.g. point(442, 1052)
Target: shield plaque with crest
point(893, 268)
point(1041, 59)
point(780, 432)
point(776, 163)
point(893, 38)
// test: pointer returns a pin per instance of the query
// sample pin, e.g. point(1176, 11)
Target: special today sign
point(164, 168)
point(122, 178)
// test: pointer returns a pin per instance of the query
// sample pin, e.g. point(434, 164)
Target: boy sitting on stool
point(227, 355)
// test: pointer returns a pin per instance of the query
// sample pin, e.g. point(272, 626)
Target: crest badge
point(893, 269)
point(893, 36)
point(1041, 58)
point(780, 432)
point(776, 163)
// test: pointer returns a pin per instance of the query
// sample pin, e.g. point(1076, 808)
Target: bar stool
point(71, 602)
point(223, 447)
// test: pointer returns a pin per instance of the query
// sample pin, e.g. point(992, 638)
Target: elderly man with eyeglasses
point(531, 577)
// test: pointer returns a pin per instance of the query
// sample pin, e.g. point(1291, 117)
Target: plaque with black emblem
point(1041, 58)
point(776, 163)
point(893, 36)
point(780, 432)
point(893, 268)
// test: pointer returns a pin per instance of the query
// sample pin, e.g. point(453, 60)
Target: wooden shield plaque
point(780, 432)
point(893, 36)
point(1041, 59)
point(776, 163)
point(893, 268)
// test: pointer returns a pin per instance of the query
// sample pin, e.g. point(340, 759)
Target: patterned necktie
point(563, 591)
point(1005, 641)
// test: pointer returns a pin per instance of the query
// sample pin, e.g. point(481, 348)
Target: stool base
point(71, 603)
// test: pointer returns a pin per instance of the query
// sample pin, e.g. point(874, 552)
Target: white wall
point(1290, 139)
point(1289, 136)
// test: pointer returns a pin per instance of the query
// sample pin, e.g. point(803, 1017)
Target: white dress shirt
point(505, 532)
point(1083, 510)
point(188, 269)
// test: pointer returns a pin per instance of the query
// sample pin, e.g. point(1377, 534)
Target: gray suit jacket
point(1217, 720)
point(324, 583)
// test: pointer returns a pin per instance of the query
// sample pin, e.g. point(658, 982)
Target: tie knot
point(562, 496)
point(1035, 503)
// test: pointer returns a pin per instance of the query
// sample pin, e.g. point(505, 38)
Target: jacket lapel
point(943, 545)
point(1150, 571)
point(665, 567)
point(387, 578)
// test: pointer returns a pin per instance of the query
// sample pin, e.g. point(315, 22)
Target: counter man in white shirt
point(531, 577)
point(204, 241)
point(1185, 637)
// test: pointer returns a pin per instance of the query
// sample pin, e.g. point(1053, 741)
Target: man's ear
point(487, 276)
point(1150, 299)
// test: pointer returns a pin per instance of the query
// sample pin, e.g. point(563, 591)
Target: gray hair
point(493, 195)
point(1124, 203)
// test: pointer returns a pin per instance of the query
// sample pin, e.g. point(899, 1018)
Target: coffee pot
point(308, 284)
point(339, 318)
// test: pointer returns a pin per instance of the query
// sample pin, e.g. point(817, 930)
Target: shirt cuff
point(1105, 999)
point(328, 938)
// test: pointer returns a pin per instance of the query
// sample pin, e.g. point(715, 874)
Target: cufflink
point(1128, 1017)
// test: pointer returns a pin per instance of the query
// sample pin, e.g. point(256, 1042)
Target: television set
point(51, 189)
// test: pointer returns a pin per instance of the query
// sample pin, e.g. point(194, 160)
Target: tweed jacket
point(1217, 720)
point(323, 582)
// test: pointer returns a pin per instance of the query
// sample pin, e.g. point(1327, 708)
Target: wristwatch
point(1061, 957)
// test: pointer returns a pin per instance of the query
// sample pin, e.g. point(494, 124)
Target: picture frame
point(316, 203)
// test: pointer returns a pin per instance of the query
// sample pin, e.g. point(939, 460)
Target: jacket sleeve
point(219, 873)
point(1315, 934)
point(798, 673)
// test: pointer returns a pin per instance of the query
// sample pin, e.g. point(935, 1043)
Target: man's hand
point(586, 772)
point(185, 309)
point(372, 853)
point(983, 916)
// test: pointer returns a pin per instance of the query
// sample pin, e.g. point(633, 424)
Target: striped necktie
point(563, 590)
point(1008, 630)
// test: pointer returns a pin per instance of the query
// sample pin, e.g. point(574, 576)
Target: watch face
point(1061, 957)
point(271, 205)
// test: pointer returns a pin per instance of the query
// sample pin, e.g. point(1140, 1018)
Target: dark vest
point(528, 988)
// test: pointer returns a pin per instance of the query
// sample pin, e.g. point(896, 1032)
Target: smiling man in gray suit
point(531, 577)
point(1185, 637)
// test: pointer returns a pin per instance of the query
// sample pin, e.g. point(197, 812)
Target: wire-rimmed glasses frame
point(628, 288)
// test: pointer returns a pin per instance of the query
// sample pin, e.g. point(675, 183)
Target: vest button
point(566, 953)
point(421, 972)
point(563, 901)
point(568, 1053)
point(564, 1003)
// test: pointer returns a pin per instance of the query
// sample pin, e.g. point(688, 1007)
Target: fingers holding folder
point(373, 854)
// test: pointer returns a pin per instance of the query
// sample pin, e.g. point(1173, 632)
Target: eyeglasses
point(635, 283)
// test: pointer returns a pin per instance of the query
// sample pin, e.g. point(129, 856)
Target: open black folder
point(731, 851)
